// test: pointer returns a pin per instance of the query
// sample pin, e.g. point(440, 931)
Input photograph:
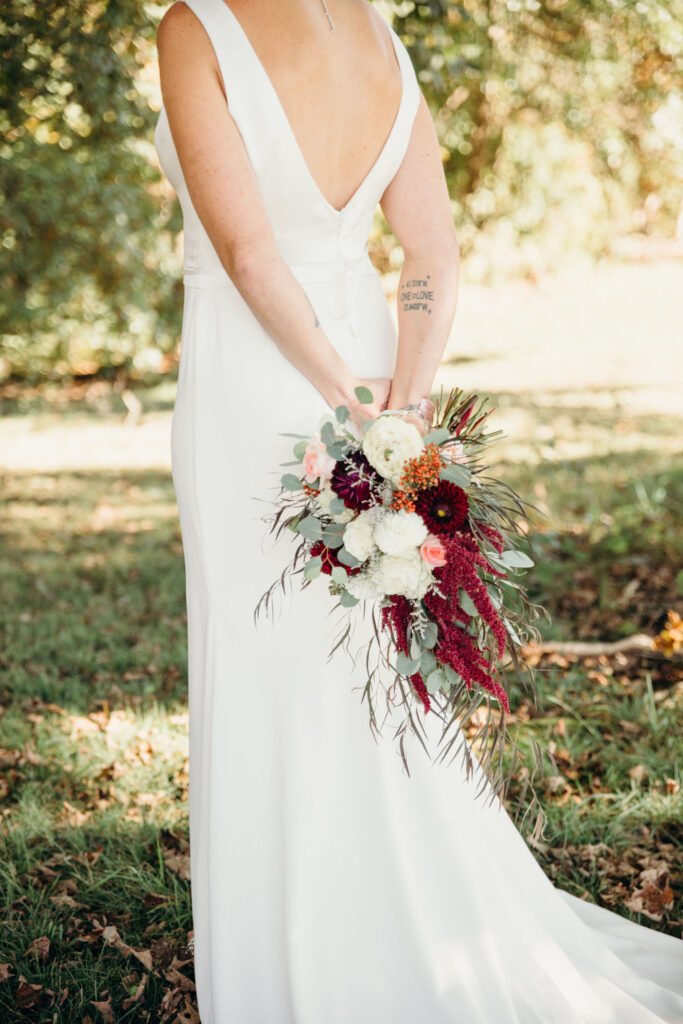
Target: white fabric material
point(314, 857)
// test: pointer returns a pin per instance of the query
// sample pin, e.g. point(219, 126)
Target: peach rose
point(317, 463)
point(432, 550)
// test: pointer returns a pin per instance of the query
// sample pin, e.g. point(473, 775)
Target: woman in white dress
point(314, 856)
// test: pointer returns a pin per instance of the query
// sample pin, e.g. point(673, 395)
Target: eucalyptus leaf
point(346, 558)
point(290, 482)
point(347, 600)
point(495, 596)
point(299, 449)
point(342, 413)
point(516, 559)
point(333, 535)
point(336, 506)
point(453, 677)
point(405, 665)
point(430, 635)
point(459, 475)
point(327, 433)
point(427, 663)
point(310, 528)
point(437, 436)
point(336, 451)
point(312, 568)
point(363, 394)
point(339, 575)
point(435, 681)
point(467, 604)
point(415, 648)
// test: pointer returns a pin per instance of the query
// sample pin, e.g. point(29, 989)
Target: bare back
point(340, 90)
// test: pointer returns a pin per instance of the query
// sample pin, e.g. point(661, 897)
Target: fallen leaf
point(39, 947)
point(106, 1009)
point(111, 935)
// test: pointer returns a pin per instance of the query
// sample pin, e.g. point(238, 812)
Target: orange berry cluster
point(423, 471)
point(307, 489)
point(402, 501)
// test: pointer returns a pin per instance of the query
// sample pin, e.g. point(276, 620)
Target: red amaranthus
point(456, 647)
point(395, 616)
point(463, 557)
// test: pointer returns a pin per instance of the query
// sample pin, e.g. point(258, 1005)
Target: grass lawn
point(93, 720)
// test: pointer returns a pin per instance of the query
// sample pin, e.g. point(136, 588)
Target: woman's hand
point(421, 418)
point(380, 388)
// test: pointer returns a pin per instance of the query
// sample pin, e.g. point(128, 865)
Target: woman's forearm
point(427, 299)
point(279, 302)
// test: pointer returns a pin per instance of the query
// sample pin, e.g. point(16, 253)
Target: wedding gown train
point(314, 856)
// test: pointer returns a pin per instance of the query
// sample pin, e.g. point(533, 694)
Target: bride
point(328, 886)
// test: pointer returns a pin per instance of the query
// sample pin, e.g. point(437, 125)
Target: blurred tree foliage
point(561, 121)
point(88, 274)
point(561, 125)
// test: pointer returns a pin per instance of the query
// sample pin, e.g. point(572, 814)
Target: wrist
point(339, 390)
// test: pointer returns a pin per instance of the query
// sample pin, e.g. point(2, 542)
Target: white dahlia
point(388, 443)
point(408, 575)
point(363, 586)
point(358, 535)
point(398, 533)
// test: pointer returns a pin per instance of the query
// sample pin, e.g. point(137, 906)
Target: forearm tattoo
point(417, 294)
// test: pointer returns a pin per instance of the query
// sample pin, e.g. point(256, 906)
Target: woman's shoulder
point(181, 37)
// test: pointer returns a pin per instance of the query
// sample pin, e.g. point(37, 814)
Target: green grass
point(93, 730)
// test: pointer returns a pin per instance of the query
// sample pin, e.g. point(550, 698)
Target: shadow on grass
point(94, 730)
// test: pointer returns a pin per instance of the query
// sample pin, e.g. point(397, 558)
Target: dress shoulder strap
point(246, 102)
point(409, 104)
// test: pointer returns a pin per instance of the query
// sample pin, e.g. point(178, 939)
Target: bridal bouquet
point(415, 527)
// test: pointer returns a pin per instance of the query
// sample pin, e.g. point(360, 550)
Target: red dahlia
point(443, 508)
point(353, 480)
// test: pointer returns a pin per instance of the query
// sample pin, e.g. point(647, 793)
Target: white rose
point(398, 533)
point(358, 535)
point(388, 443)
point(408, 575)
point(323, 498)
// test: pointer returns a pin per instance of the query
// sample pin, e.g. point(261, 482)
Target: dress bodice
point(307, 228)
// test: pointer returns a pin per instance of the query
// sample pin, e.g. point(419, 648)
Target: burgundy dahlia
point(353, 480)
point(443, 508)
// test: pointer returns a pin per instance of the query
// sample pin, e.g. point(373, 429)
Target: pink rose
point(317, 463)
point(432, 550)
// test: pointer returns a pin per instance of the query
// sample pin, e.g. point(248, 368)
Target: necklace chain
point(327, 14)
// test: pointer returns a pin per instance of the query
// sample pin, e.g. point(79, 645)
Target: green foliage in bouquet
point(417, 528)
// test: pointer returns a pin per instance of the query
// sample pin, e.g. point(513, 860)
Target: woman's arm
point(417, 207)
point(226, 196)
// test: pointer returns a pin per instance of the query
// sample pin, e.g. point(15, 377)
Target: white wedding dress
point(328, 886)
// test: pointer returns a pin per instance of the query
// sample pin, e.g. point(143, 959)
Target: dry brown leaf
point(106, 1010)
point(651, 900)
point(40, 947)
point(110, 934)
point(137, 995)
point(179, 864)
point(638, 773)
point(28, 995)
